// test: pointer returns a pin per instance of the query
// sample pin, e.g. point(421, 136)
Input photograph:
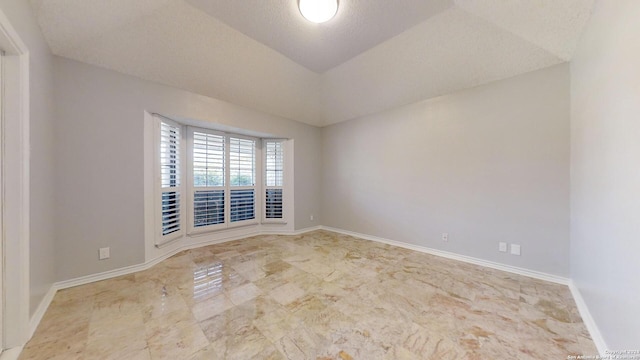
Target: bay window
point(212, 180)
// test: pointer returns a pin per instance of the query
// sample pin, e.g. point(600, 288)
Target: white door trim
point(16, 185)
point(1, 211)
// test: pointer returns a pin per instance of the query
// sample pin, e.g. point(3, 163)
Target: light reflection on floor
point(207, 280)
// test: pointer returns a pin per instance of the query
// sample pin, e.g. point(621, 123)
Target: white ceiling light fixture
point(318, 11)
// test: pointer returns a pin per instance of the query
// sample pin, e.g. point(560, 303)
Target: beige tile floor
point(316, 296)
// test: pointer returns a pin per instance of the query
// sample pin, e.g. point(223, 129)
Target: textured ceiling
point(374, 55)
point(358, 26)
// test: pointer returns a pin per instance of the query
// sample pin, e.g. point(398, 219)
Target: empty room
point(319, 179)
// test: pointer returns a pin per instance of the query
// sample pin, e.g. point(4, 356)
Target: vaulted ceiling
point(262, 54)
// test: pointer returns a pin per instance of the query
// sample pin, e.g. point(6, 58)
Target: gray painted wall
point(605, 172)
point(99, 152)
point(485, 165)
point(41, 136)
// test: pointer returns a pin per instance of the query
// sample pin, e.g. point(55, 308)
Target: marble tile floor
point(320, 295)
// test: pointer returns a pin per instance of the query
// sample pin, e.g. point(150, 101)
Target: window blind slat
point(274, 166)
point(170, 212)
point(208, 207)
point(242, 205)
point(170, 177)
point(169, 155)
point(242, 162)
point(274, 179)
point(273, 204)
point(208, 159)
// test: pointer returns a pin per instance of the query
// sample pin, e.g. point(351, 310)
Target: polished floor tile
point(320, 295)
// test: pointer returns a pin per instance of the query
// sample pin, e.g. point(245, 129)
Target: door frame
point(1, 208)
point(15, 186)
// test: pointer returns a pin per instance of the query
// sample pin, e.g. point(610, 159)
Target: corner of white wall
point(588, 320)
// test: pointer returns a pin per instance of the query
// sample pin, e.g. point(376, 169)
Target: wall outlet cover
point(502, 247)
point(445, 236)
point(104, 253)
point(515, 249)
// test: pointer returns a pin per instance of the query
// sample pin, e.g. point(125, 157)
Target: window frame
point(283, 187)
point(160, 238)
point(257, 199)
point(191, 188)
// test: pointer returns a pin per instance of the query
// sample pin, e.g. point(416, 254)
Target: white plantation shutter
point(222, 180)
point(242, 159)
point(208, 170)
point(170, 176)
point(274, 167)
point(243, 204)
point(225, 182)
point(208, 207)
point(242, 179)
point(170, 212)
point(274, 179)
point(208, 159)
point(169, 155)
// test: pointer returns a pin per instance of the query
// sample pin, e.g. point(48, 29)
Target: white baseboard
point(42, 308)
point(306, 230)
point(293, 232)
point(449, 255)
point(11, 354)
point(588, 320)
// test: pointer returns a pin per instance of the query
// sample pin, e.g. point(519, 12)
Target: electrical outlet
point(104, 253)
point(445, 236)
point(502, 247)
point(515, 249)
point(311, 217)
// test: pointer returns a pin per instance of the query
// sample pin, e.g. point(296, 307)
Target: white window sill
point(204, 232)
point(274, 222)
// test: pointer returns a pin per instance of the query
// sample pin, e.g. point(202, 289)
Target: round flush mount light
point(318, 11)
